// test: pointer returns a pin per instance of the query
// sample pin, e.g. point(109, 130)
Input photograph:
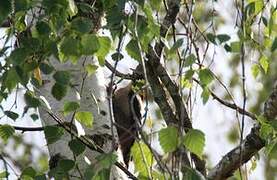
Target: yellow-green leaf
point(194, 141)
point(85, 118)
point(264, 63)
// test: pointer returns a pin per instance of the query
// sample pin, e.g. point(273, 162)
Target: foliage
point(170, 42)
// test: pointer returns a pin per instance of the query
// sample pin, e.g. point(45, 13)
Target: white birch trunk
point(86, 87)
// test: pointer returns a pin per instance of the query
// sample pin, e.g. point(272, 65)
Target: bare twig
point(248, 148)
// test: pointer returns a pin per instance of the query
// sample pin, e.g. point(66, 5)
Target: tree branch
point(24, 129)
point(230, 105)
point(249, 147)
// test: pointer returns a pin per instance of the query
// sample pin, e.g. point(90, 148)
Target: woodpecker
point(125, 118)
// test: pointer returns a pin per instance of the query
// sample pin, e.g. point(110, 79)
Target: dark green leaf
point(191, 174)
point(69, 46)
point(66, 164)
point(59, 91)
point(18, 56)
point(46, 68)
point(11, 115)
point(274, 45)
point(34, 117)
point(90, 44)
point(82, 25)
point(117, 56)
point(4, 174)
point(29, 171)
point(176, 45)
point(53, 133)
point(11, 79)
point(62, 77)
point(85, 118)
point(264, 20)
point(190, 60)
point(223, 38)
point(205, 76)
point(133, 50)
point(77, 147)
point(107, 160)
point(70, 107)
point(43, 28)
point(211, 37)
point(168, 138)
point(194, 141)
point(31, 100)
point(5, 9)
point(227, 48)
point(205, 95)
point(40, 177)
point(6, 131)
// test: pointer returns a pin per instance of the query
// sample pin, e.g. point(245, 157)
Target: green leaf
point(43, 28)
point(133, 50)
point(205, 76)
point(223, 38)
point(194, 141)
point(29, 172)
point(205, 95)
point(176, 45)
point(70, 107)
point(18, 56)
point(141, 152)
point(46, 68)
point(69, 46)
point(235, 47)
point(105, 46)
point(90, 44)
point(77, 147)
point(59, 91)
point(255, 70)
point(62, 77)
point(66, 165)
point(191, 174)
point(53, 133)
point(82, 25)
point(106, 160)
point(227, 48)
point(272, 150)
point(31, 100)
point(259, 5)
point(190, 60)
point(72, 8)
point(274, 45)
point(91, 69)
point(4, 174)
point(85, 118)
point(11, 115)
point(155, 4)
point(11, 79)
point(264, 63)
point(6, 131)
point(5, 9)
point(40, 177)
point(34, 117)
point(168, 138)
point(211, 37)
